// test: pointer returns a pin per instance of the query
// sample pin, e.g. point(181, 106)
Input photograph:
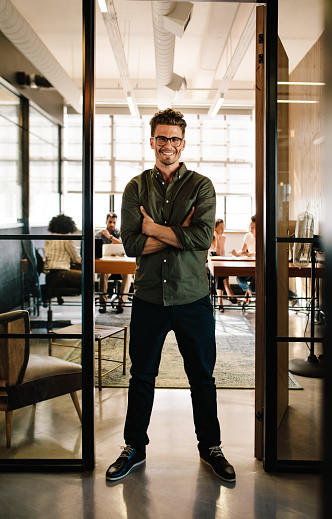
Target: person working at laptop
point(108, 236)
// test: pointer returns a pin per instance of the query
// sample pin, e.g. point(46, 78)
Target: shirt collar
point(178, 174)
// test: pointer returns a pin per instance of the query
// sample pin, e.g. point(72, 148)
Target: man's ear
point(152, 143)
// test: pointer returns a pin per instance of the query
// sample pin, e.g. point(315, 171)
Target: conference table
point(115, 265)
point(224, 266)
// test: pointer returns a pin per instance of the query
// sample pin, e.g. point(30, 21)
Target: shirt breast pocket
point(182, 207)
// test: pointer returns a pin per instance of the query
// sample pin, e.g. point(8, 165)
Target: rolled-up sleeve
point(131, 222)
point(71, 248)
point(198, 236)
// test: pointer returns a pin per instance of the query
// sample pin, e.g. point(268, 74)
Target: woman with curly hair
point(60, 255)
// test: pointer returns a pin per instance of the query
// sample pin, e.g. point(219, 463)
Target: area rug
point(235, 365)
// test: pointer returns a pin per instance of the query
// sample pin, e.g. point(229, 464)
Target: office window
point(44, 167)
point(222, 148)
point(238, 211)
point(11, 185)
point(128, 138)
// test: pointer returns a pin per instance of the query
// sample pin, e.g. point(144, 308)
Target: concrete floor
point(173, 483)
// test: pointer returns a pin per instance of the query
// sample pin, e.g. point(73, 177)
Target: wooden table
point(246, 267)
point(101, 332)
point(115, 265)
point(238, 266)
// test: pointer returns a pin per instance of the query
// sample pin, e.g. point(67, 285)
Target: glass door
point(295, 314)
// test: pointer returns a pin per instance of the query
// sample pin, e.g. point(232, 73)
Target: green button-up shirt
point(171, 276)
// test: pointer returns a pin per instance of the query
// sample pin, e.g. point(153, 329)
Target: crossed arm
point(160, 236)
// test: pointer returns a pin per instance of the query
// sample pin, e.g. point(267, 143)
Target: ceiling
point(202, 56)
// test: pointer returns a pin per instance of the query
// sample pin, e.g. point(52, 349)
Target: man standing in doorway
point(168, 216)
point(112, 235)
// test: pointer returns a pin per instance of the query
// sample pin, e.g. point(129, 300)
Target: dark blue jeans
point(246, 283)
point(194, 328)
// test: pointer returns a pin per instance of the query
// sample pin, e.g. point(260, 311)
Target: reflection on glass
point(52, 428)
point(43, 150)
point(11, 185)
point(299, 192)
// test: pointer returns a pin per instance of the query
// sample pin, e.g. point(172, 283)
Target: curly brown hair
point(169, 117)
point(62, 224)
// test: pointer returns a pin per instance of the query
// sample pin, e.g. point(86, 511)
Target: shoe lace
point(216, 451)
point(127, 451)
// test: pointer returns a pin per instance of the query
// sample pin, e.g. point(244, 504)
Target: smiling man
point(168, 216)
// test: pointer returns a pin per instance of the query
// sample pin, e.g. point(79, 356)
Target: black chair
point(51, 291)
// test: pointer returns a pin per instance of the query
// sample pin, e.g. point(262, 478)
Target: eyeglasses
point(175, 141)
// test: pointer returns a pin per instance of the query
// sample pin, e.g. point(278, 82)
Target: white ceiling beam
point(242, 47)
point(113, 31)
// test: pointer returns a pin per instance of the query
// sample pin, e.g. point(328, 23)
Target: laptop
point(113, 249)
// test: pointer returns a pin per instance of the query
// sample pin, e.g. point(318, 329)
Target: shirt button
point(163, 183)
point(166, 201)
point(165, 261)
point(164, 280)
point(165, 221)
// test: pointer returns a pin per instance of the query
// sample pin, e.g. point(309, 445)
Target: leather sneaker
point(102, 309)
point(217, 461)
point(129, 459)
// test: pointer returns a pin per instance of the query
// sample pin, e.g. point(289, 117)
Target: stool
point(101, 332)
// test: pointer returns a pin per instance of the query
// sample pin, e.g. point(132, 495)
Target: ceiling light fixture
point(236, 60)
point(301, 83)
point(102, 6)
point(297, 101)
point(112, 26)
point(216, 107)
point(132, 107)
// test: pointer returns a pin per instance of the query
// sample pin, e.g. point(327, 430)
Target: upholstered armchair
point(27, 378)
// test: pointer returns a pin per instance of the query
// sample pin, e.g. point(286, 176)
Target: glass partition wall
point(43, 366)
point(295, 209)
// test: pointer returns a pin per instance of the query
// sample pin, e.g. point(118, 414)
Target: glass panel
point(52, 428)
point(299, 198)
point(46, 424)
point(10, 177)
point(43, 150)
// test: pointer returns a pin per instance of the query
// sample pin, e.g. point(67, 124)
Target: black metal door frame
point(271, 461)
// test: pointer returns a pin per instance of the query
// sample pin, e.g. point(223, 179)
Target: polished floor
point(173, 484)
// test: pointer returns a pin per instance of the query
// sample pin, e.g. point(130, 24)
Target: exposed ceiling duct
point(169, 19)
point(20, 34)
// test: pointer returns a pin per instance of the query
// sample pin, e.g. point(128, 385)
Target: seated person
point(218, 246)
point(112, 235)
point(248, 249)
point(62, 255)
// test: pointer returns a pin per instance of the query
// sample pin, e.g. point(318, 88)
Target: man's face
point(110, 224)
point(167, 154)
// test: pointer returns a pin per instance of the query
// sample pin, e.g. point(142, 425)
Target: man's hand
point(105, 233)
point(160, 232)
point(147, 223)
point(187, 221)
point(110, 236)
